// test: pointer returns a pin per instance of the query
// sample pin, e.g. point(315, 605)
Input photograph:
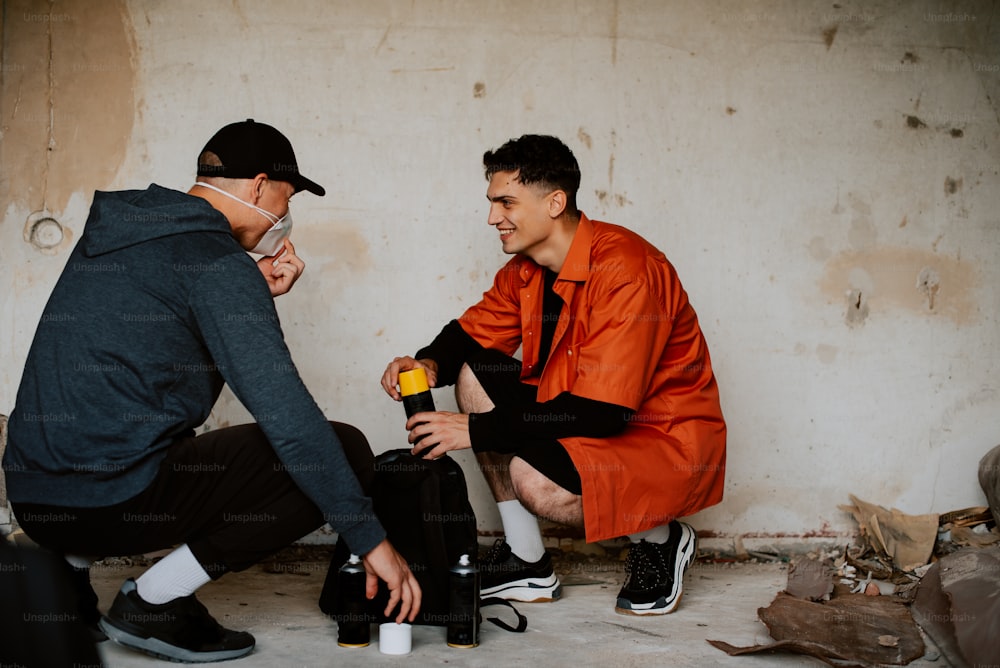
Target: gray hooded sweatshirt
point(157, 308)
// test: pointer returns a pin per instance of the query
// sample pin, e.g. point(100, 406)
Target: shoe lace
point(645, 567)
point(497, 553)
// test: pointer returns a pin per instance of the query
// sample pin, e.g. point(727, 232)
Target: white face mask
point(273, 239)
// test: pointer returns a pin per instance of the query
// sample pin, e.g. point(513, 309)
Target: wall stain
point(929, 282)
point(914, 122)
point(584, 138)
point(529, 100)
point(829, 34)
point(952, 186)
point(479, 90)
point(346, 255)
point(913, 280)
point(857, 308)
point(862, 233)
point(826, 353)
point(68, 108)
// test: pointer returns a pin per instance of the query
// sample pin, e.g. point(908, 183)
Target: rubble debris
point(855, 607)
point(967, 517)
point(958, 606)
point(906, 540)
point(847, 628)
point(970, 527)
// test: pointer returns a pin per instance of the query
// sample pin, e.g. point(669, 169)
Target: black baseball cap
point(248, 148)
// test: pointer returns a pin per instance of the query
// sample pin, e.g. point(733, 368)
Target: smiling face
point(522, 215)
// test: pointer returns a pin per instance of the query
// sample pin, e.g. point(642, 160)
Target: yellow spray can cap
point(413, 381)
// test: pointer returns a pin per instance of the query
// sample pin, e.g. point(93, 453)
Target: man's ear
point(257, 187)
point(557, 203)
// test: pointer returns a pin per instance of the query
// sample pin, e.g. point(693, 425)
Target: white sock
point(174, 576)
point(520, 528)
point(657, 535)
point(79, 562)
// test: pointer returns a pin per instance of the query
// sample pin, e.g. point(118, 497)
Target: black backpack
point(41, 614)
point(424, 506)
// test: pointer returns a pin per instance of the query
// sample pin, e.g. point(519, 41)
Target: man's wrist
point(429, 363)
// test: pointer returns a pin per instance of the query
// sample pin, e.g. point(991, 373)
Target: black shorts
point(500, 377)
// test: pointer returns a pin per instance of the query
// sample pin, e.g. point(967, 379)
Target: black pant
point(500, 377)
point(224, 493)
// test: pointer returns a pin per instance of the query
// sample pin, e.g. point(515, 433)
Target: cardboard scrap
point(809, 579)
point(907, 540)
point(958, 606)
point(852, 628)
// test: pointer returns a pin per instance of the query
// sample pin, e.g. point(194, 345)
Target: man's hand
point(384, 563)
point(390, 379)
point(282, 269)
point(442, 431)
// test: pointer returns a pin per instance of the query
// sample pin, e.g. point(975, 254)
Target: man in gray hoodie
point(159, 306)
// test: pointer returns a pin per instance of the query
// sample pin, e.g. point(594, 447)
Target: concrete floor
point(720, 602)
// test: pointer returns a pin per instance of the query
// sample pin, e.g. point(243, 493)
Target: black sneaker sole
point(527, 590)
point(166, 651)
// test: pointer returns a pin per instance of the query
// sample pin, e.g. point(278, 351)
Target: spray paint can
point(353, 624)
point(463, 604)
point(416, 393)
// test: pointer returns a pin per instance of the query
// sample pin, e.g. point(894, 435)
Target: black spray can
point(463, 606)
point(416, 393)
point(353, 624)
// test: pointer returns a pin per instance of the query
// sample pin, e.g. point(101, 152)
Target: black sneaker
point(180, 630)
point(505, 575)
point(653, 585)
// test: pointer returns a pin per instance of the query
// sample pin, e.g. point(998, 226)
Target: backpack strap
point(522, 621)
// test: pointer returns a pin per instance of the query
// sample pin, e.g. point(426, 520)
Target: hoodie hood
point(121, 219)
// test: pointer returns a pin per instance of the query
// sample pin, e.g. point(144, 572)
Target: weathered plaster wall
point(825, 177)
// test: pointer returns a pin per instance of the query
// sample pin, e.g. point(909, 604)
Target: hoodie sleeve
point(235, 313)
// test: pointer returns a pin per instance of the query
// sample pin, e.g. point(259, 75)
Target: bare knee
point(469, 393)
point(543, 497)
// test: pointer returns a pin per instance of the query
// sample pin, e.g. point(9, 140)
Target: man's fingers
point(418, 596)
point(393, 600)
point(371, 585)
point(389, 381)
point(406, 609)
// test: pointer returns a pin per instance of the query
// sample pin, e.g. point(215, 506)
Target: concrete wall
point(825, 177)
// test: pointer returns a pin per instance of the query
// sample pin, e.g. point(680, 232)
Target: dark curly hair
point(538, 159)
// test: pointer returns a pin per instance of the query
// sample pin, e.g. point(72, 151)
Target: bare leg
point(472, 398)
point(543, 497)
point(511, 478)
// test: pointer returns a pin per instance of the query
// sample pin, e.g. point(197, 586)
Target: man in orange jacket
point(611, 418)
